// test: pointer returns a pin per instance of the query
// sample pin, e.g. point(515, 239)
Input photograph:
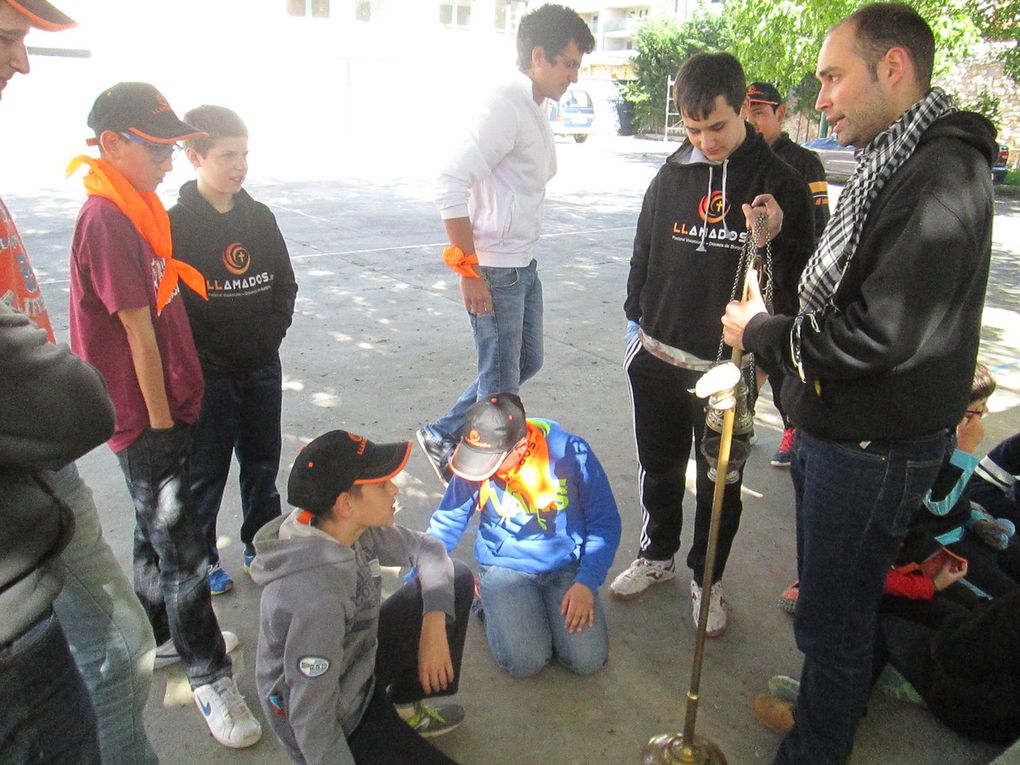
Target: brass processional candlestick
point(724, 387)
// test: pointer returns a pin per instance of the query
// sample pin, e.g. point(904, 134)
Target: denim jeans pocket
point(500, 278)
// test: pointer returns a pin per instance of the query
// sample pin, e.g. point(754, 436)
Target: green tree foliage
point(662, 46)
point(1000, 20)
point(778, 40)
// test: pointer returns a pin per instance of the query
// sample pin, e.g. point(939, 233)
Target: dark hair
point(551, 28)
point(983, 385)
point(218, 121)
point(881, 26)
point(704, 77)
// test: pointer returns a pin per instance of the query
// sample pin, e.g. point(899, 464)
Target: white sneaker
point(717, 609)
point(228, 717)
point(639, 576)
point(166, 654)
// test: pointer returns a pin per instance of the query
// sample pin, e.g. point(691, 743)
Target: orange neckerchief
point(149, 218)
point(530, 479)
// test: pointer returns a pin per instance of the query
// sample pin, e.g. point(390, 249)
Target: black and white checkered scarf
point(876, 163)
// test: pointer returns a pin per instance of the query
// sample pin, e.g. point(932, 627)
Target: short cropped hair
point(881, 26)
point(218, 122)
point(551, 27)
point(983, 385)
point(704, 77)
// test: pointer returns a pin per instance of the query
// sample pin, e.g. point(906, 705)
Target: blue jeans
point(853, 505)
point(524, 625)
point(240, 414)
point(47, 715)
point(170, 562)
point(508, 342)
point(106, 629)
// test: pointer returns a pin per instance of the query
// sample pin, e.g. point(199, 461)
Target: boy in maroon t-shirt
point(127, 320)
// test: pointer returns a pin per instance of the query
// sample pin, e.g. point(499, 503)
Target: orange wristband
point(461, 264)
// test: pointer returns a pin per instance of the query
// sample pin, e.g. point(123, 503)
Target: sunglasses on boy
point(160, 152)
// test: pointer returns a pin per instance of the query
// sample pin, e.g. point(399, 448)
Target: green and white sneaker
point(429, 721)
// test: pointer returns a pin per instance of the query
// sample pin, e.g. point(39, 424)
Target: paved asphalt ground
point(380, 343)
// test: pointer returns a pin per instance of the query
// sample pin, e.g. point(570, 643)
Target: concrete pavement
point(380, 343)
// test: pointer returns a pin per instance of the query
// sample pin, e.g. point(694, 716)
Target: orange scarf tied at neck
point(531, 479)
point(149, 218)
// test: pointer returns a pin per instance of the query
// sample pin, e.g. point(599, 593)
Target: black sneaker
point(438, 455)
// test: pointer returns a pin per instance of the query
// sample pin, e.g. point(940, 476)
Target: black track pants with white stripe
point(668, 420)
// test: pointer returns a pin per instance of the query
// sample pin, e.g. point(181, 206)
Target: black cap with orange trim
point(334, 462)
point(42, 15)
point(493, 426)
point(763, 93)
point(140, 109)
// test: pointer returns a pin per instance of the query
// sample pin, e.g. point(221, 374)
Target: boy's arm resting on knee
point(148, 364)
point(317, 632)
point(435, 666)
point(400, 546)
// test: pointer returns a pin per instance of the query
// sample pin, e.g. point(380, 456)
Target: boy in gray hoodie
point(340, 672)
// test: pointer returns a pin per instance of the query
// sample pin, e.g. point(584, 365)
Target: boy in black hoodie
point(693, 224)
point(235, 243)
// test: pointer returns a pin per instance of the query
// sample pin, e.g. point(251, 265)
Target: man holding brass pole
point(690, 236)
point(881, 355)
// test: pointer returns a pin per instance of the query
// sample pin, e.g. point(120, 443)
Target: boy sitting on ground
point(333, 657)
point(546, 538)
point(235, 242)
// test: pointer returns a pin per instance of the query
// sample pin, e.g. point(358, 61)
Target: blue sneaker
point(219, 580)
point(249, 556)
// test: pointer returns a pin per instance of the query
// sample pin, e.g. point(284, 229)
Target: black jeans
point(170, 562)
point(47, 713)
point(382, 738)
point(669, 421)
point(240, 415)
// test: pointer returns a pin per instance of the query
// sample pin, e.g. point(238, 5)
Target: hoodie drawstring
point(708, 206)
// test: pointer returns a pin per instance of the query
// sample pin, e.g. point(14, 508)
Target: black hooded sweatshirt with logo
point(893, 358)
point(690, 234)
point(248, 275)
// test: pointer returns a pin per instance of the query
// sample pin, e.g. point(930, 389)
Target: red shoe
point(788, 600)
point(784, 454)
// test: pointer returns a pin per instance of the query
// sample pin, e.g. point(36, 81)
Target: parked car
point(999, 168)
point(573, 115)
point(837, 160)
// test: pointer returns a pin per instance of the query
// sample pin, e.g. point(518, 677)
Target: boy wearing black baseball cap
point(127, 321)
point(333, 657)
point(546, 538)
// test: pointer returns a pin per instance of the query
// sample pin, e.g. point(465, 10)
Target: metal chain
point(748, 256)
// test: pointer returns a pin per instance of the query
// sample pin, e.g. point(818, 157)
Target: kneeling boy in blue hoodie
point(546, 538)
point(333, 657)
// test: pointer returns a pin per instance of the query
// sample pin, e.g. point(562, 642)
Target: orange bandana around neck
point(149, 218)
point(531, 480)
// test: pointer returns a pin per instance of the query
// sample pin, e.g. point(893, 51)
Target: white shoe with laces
point(717, 609)
point(639, 576)
point(230, 721)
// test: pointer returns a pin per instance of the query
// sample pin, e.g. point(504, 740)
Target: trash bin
point(625, 116)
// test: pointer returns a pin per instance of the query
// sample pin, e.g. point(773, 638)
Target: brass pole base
point(674, 750)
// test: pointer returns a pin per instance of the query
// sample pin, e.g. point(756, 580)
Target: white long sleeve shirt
point(498, 173)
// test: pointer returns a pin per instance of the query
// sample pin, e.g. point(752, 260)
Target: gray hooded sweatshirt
point(319, 620)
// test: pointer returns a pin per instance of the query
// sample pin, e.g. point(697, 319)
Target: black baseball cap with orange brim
point(334, 462)
point(42, 15)
point(140, 109)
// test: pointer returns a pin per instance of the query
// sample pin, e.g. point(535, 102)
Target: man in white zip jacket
point(490, 198)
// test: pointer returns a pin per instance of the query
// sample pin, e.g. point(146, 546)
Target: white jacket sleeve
point(487, 142)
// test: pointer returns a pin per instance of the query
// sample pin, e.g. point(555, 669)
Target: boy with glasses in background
point(126, 321)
